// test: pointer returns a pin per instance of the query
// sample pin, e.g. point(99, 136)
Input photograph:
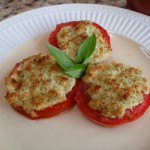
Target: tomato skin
point(54, 110)
point(53, 38)
point(82, 100)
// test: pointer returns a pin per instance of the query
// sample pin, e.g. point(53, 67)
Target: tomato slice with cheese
point(113, 93)
point(69, 36)
point(53, 38)
point(38, 88)
point(82, 100)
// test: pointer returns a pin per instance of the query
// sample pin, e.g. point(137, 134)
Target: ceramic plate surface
point(25, 34)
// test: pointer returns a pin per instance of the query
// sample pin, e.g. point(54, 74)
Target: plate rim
point(6, 22)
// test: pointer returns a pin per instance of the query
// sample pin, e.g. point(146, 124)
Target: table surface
point(12, 7)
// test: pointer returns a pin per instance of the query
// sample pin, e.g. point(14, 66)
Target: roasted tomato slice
point(47, 111)
point(53, 39)
point(82, 100)
point(54, 110)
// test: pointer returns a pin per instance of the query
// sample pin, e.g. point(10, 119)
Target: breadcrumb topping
point(115, 87)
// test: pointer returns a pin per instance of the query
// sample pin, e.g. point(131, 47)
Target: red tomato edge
point(53, 39)
point(82, 100)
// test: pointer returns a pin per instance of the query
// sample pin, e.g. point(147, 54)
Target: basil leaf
point(60, 56)
point(76, 71)
point(86, 49)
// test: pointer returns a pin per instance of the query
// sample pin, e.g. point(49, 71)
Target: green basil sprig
point(61, 57)
point(75, 69)
point(86, 49)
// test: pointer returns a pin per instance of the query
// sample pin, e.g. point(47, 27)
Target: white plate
point(25, 34)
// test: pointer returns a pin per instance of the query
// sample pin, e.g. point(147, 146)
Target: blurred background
point(10, 8)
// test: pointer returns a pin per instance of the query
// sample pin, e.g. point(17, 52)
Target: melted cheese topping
point(115, 87)
point(70, 38)
point(38, 83)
